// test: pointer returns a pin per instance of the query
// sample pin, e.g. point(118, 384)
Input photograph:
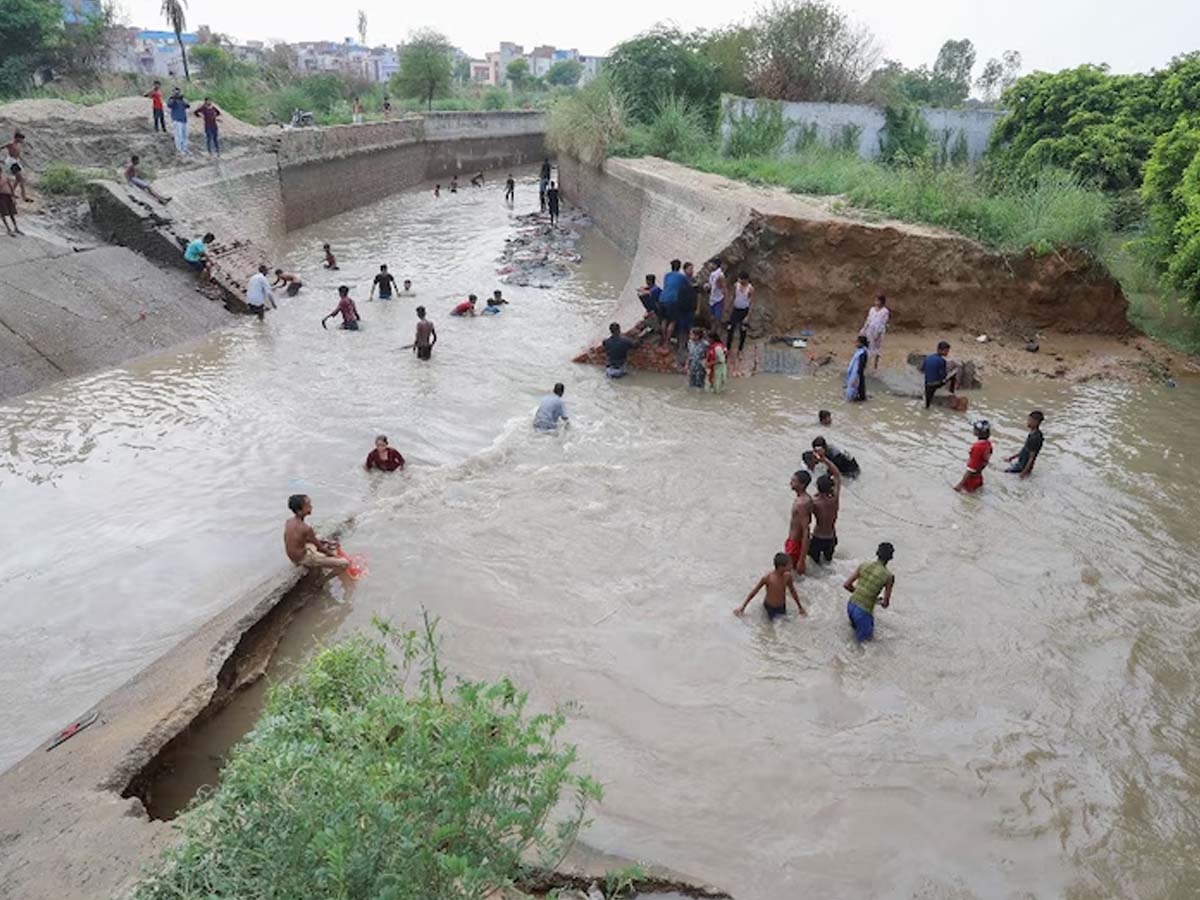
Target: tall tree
point(425, 67)
point(517, 73)
point(810, 50)
point(565, 73)
point(362, 27)
point(658, 64)
point(173, 12)
point(990, 78)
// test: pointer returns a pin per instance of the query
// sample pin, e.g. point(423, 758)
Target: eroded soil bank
point(816, 269)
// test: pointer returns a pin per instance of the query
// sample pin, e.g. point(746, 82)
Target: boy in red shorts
point(977, 460)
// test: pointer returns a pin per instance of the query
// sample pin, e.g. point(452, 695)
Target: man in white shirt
point(258, 293)
point(550, 410)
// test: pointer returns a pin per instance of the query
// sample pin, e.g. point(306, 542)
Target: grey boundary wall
point(836, 122)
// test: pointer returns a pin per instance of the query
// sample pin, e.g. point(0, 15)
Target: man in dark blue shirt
point(935, 368)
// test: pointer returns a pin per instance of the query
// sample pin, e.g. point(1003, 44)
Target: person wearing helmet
point(977, 459)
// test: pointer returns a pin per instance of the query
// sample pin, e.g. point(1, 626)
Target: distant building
point(147, 52)
point(540, 60)
point(482, 72)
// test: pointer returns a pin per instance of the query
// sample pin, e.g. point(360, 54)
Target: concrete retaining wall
point(836, 122)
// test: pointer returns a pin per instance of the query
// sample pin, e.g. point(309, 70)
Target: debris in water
point(539, 253)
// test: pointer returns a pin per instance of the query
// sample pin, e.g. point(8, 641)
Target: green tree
point(462, 71)
point(731, 50)
point(1169, 197)
point(28, 35)
point(173, 12)
point(990, 79)
point(517, 73)
point(810, 50)
point(662, 63)
point(955, 61)
point(425, 67)
point(565, 73)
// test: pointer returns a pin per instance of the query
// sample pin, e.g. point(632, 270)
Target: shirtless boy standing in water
point(426, 336)
point(825, 510)
point(778, 583)
point(303, 546)
point(796, 545)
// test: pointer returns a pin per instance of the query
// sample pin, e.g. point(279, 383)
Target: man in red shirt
point(383, 457)
point(977, 460)
point(156, 106)
point(346, 309)
point(210, 114)
point(466, 308)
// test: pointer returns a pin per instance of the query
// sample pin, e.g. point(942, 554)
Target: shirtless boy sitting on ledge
point(303, 546)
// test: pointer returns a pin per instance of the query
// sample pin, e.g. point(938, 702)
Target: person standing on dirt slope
point(179, 120)
point(13, 166)
point(209, 112)
point(552, 203)
point(8, 206)
point(875, 327)
point(159, 121)
point(510, 189)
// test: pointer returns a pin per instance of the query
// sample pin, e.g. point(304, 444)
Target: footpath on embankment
point(64, 312)
point(817, 267)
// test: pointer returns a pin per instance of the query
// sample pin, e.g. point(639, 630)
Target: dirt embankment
point(816, 268)
point(103, 136)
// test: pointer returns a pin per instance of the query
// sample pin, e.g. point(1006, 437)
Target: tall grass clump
point(676, 131)
point(356, 783)
point(588, 123)
point(64, 180)
point(760, 132)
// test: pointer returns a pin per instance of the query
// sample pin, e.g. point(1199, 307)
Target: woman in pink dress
point(875, 327)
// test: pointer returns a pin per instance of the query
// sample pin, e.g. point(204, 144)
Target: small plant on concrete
point(64, 180)
point(357, 784)
point(623, 882)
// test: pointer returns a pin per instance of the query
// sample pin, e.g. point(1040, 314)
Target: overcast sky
point(1050, 34)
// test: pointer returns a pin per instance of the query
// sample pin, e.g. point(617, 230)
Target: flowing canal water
point(1024, 725)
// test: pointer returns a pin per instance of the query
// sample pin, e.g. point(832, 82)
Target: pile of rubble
point(540, 254)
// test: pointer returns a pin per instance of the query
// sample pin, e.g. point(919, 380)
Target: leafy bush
point(758, 133)
point(588, 123)
point(354, 784)
point(64, 180)
point(663, 62)
point(495, 99)
point(677, 130)
point(905, 135)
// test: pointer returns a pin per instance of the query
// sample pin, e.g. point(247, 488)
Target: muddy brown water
point(1024, 726)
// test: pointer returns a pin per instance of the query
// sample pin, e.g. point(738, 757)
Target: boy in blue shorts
point(864, 587)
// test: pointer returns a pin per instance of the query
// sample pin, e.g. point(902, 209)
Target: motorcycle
point(302, 119)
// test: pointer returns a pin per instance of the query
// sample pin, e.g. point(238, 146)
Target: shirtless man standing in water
point(425, 337)
point(303, 546)
point(825, 510)
point(796, 545)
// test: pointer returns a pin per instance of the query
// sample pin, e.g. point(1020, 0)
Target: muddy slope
point(813, 266)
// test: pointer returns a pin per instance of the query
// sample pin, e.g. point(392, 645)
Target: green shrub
point(588, 123)
point(905, 135)
point(847, 138)
point(495, 99)
point(760, 133)
point(355, 785)
point(677, 131)
point(62, 179)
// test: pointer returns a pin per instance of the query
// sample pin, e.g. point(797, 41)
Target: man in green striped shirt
point(864, 587)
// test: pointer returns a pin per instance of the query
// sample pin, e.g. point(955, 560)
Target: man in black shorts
point(386, 284)
point(825, 511)
point(426, 336)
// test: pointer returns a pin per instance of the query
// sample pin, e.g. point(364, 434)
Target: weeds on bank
point(65, 180)
point(356, 783)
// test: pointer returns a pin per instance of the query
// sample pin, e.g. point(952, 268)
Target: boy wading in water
point(1033, 446)
point(864, 587)
point(825, 510)
point(301, 543)
point(779, 583)
point(426, 336)
point(977, 459)
point(795, 547)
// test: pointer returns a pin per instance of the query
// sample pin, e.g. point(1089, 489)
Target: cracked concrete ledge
point(65, 830)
